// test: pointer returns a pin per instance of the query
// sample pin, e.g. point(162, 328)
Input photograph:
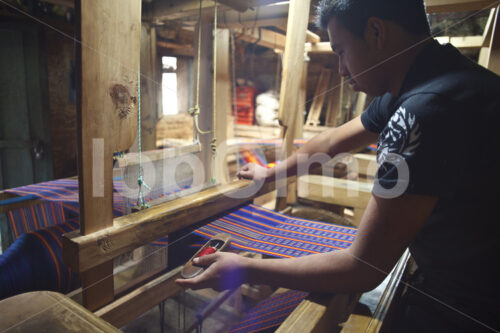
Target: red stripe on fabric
point(44, 214)
point(248, 247)
point(260, 241)
point(296, 218)
point(53, 258)
point(279, 221)
point(34, 217)
point(26, 229)
point(13, 223)
point(297, 232)
point(282, 237)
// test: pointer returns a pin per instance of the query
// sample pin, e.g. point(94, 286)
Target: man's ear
point(376, 32)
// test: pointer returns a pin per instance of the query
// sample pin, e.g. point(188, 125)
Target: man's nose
point(343, 69)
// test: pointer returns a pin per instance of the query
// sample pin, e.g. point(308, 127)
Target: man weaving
point(437, 120)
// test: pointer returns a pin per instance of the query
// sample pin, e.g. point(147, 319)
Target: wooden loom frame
point(101, 237)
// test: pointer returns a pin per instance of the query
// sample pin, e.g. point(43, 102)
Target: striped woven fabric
point(34, 262)
point(270, 313)
point(61, 200)
point(257, 229)
point(35, 217)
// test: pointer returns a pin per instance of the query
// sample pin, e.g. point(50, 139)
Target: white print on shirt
point(401, 136)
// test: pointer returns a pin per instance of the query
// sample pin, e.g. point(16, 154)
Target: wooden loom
point(109, 62)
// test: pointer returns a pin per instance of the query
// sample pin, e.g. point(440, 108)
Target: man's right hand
point(254, 172)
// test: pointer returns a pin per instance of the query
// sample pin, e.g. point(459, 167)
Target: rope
point(195, 110)
point(141, 203)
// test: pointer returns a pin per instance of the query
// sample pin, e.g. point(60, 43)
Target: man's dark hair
point(354, 14)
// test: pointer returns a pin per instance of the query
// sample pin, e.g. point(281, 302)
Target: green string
point(141, 202)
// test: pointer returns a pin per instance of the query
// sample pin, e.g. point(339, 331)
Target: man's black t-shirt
point(445, 127)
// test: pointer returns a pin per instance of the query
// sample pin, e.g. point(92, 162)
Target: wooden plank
point(127, 308)
point(279, 22)
point(360, 104)
point(443, 6)
point(82, 252)
point(494, 56)
point(206, 88)
point(48, 311)
point(150, 86)
point(319, 313)
point(224, 100)
point(484, 53)
point(319, 97)
point(293, 59)
point(312, 38)
point(319, 48)
point(263, 37)
point(108, 62)
point(334, 100)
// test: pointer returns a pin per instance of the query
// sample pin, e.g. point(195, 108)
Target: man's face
point(357, 59)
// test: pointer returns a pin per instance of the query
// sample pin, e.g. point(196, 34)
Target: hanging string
point(141, 203)
point(195, 110)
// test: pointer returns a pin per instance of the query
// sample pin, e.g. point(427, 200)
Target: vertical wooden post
point(108, 63)
point(484, 53)
point(149, 87)
point(293, 58)
point(494, 56)
point(224, 98)
point(206, 87)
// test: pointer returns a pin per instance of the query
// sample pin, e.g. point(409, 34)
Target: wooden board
point(47, 311)
point(494, 55)
point(107, 77)
point(127, 308)
point(319, 97)
point(293, 61)
point(319, 313)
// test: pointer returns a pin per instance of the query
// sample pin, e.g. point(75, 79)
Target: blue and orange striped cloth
point(34, 262)
point(270, 313)
point(60, 202)
point(254, 228)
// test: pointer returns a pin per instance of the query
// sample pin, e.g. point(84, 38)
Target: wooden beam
point(319, 97)
point(320, 48)
point(82, 252)
point(494, 56)
point(278, 22)
point(484, 54)
point(293, 64)
point(224, 99)
point(108, 64)
point(319, 313)
point(312, 38)
point(263, 37)
point(127, 308)
point(334, 100)
point(443, 6)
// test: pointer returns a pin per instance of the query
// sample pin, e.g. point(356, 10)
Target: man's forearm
point(328, 272)
point(331, 142)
